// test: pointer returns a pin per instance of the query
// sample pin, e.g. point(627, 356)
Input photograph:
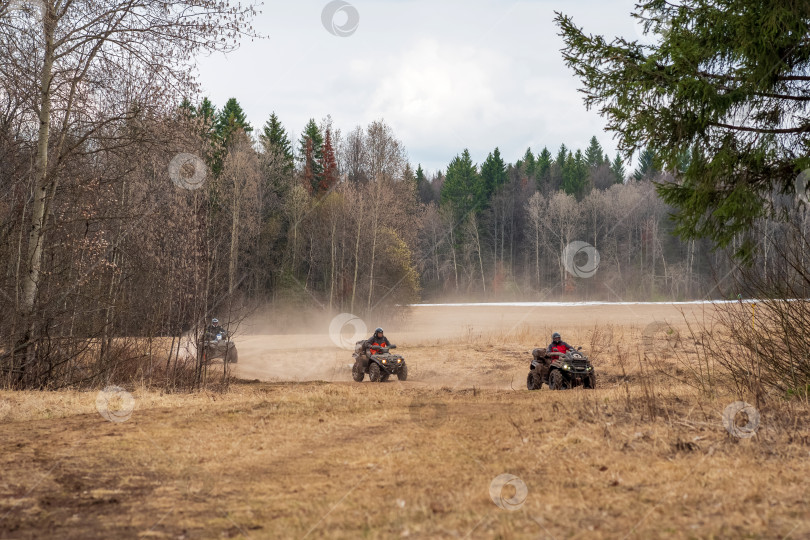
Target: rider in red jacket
point(557, 345)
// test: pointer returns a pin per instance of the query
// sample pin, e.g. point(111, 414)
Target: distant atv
point(219, 346)
point(379, 366)
point(565, 370)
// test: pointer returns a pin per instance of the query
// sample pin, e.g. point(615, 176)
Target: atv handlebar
point(556, 353)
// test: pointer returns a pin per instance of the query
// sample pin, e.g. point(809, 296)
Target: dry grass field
point(296, 450)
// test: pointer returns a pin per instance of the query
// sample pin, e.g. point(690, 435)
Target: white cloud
point(445, 76)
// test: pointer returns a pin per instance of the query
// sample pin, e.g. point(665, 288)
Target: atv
point(379, 366)
point(560, 370)
point(219, 346)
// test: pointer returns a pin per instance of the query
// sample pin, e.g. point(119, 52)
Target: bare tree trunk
point(453, 248)
point(474, 226)
point(356, 258)
point(234, 254)
point(45, 187)
point(333, 253)
point(537, 253)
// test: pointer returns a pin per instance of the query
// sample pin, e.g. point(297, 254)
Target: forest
point(131, 205)
point(341, 220)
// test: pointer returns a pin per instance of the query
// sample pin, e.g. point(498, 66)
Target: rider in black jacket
point(376, 341)
point(213, 329)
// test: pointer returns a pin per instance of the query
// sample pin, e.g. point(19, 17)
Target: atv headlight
point(399, 360)
point(385, 361)
point(565, 366)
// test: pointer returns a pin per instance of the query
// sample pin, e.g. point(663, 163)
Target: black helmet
point(555, 335)
point(214, 321)
point(378, 330)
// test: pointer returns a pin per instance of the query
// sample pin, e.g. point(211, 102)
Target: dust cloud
point(485, 345)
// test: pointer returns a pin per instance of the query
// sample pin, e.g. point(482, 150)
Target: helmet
point(378, 330)
point(555, 335)
point(214, 321)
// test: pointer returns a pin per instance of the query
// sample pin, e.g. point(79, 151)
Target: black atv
point(560, 370)
point(379, 366)
point(219, 346)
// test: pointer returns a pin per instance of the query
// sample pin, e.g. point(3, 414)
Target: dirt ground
point(460, 450)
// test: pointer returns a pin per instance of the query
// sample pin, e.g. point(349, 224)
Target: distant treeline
point(201, 214)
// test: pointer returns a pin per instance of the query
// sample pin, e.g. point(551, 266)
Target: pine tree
point(329, 172)
point(308, 176)
point(312, 133)
point(462, 189)
point(207, 111)
point(593, 155)
point(575, 175)
point(543, 163)
point(646, 166)
point(617, 168)
point(493, 175)
point(562, 155)
point(725, 81)
point(229, 119)
point(420, 175)
point(529, 164)
point(274, 136)
point(543, 169)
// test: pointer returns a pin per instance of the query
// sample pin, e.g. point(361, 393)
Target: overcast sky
point(445, 75)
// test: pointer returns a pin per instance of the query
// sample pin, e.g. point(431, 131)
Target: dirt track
point(644, 455)
point(435, 341)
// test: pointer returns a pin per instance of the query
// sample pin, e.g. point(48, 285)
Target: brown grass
point(643, 456)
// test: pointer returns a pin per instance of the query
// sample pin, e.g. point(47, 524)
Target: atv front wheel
point(532, 383)
point(357, 371)
point(233, 356)
point(590, 382)
point(374, 373)
point(402, 374)
point(556, 381)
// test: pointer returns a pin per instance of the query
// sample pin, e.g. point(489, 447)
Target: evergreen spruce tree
point(575, 175)
point(617, 168)
point(562, 155)
point(229, 119)
point(529, 164)
point(493, 175)
point(274, 136)
point(329, 171)
point(593, 155)
point(207, 111)
point(462, 190)
point(725, 81)
point(543, 169)
point(311, 154)
point(646, 166)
